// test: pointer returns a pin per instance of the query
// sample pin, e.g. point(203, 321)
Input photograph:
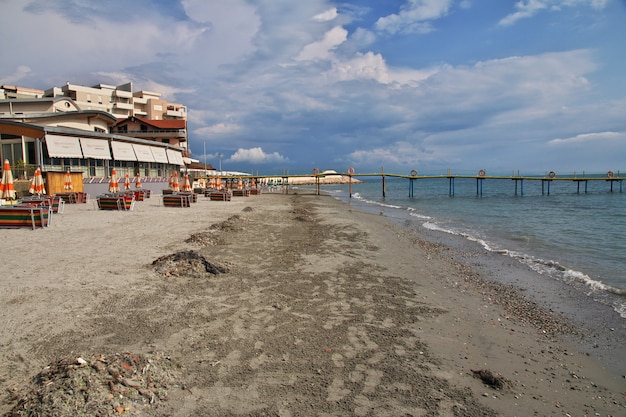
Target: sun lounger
point(241, 193)
point(25, 215)
point(177, 200)
point(122, 202)
point(220, 195)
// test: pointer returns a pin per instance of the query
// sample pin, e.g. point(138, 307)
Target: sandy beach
point(275, 305)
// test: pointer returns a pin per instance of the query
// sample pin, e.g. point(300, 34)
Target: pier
point(546, 180)
point(614, 180)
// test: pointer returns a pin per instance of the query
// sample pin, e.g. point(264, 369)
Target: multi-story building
point(92, 129)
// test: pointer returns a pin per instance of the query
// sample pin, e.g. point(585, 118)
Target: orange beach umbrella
point(138, 181)
point(36, 185)
point(186, 183)
point(114, 186)
point(201, 183)
point(68, 181)
point(7, 188)
point(174, 183)
point(127, 182)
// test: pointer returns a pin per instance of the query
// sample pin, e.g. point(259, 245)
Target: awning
point(189, 161)
point(63, 146)
point(175, 158)
point(123, 151)
point(95, 148)
point(159, 154)
point(143, 153)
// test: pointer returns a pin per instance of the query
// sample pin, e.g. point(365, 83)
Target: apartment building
point(92, 129)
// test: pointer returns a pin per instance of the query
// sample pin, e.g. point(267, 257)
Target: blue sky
point(274, 85)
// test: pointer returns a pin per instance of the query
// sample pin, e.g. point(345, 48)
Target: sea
point(572, 232)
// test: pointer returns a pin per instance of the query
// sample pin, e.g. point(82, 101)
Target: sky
point(280, 86)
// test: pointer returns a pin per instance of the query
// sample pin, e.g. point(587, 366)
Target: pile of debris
point(186, 263)
point(99, 386)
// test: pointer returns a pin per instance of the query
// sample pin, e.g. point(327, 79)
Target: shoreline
point(596, 327)
point(322, 307)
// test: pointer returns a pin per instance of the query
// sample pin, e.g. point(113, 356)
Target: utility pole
point(219, 156)
point(205, 158)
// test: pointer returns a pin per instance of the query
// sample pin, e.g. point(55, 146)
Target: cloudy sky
point(274, 85)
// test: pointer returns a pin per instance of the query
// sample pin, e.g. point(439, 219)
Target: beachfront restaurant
point(93, 154)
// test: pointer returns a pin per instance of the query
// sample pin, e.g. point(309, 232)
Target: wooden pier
point(481, 177)
point(614, 180)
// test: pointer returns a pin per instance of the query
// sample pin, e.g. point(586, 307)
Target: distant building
point(92, 130)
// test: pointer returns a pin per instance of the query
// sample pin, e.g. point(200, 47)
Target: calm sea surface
point(577, 238)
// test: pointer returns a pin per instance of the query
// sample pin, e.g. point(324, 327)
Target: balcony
point(125, 106)
point(123, 94)
point(174, 113)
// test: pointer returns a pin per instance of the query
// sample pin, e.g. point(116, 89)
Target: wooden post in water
point(383, 174)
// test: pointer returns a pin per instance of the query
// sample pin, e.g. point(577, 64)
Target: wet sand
point(274, 305)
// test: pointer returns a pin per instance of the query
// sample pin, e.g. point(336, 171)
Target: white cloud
point(398, 154)
point(368, 66)
point(326, 16)
point(217, 129)
point(20, 72)
point(256, 156)
point(529, 8)
point(414, 16)
point(321, 50)
point(590, 138)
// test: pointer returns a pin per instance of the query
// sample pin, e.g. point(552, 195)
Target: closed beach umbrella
point(138, 182)
point(212, 182)
point(114, 186)
point(127, 182)
point(36, 185)
point(240, 183)
point(186, 183)
point(218, 183)
point(201, 183)
point(7, 188)
point(174, 184)
point(68, 182)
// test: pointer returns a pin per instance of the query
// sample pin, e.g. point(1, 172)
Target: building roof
point(165, 124)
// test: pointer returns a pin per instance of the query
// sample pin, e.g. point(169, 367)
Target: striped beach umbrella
point(127, 182)
point(201, 183)
point(37, 186)
point(186, 183)
point(218, 183)
point(138, 181)
point(240, 184)
point(7, 188)
point(114, 186)
point(68, 182)
point(174, 183)
point(212, 182)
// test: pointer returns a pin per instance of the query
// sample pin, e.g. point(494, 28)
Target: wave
point(544, 267)
point(412, 211)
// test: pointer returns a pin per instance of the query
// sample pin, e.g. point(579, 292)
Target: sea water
point(565, 233)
